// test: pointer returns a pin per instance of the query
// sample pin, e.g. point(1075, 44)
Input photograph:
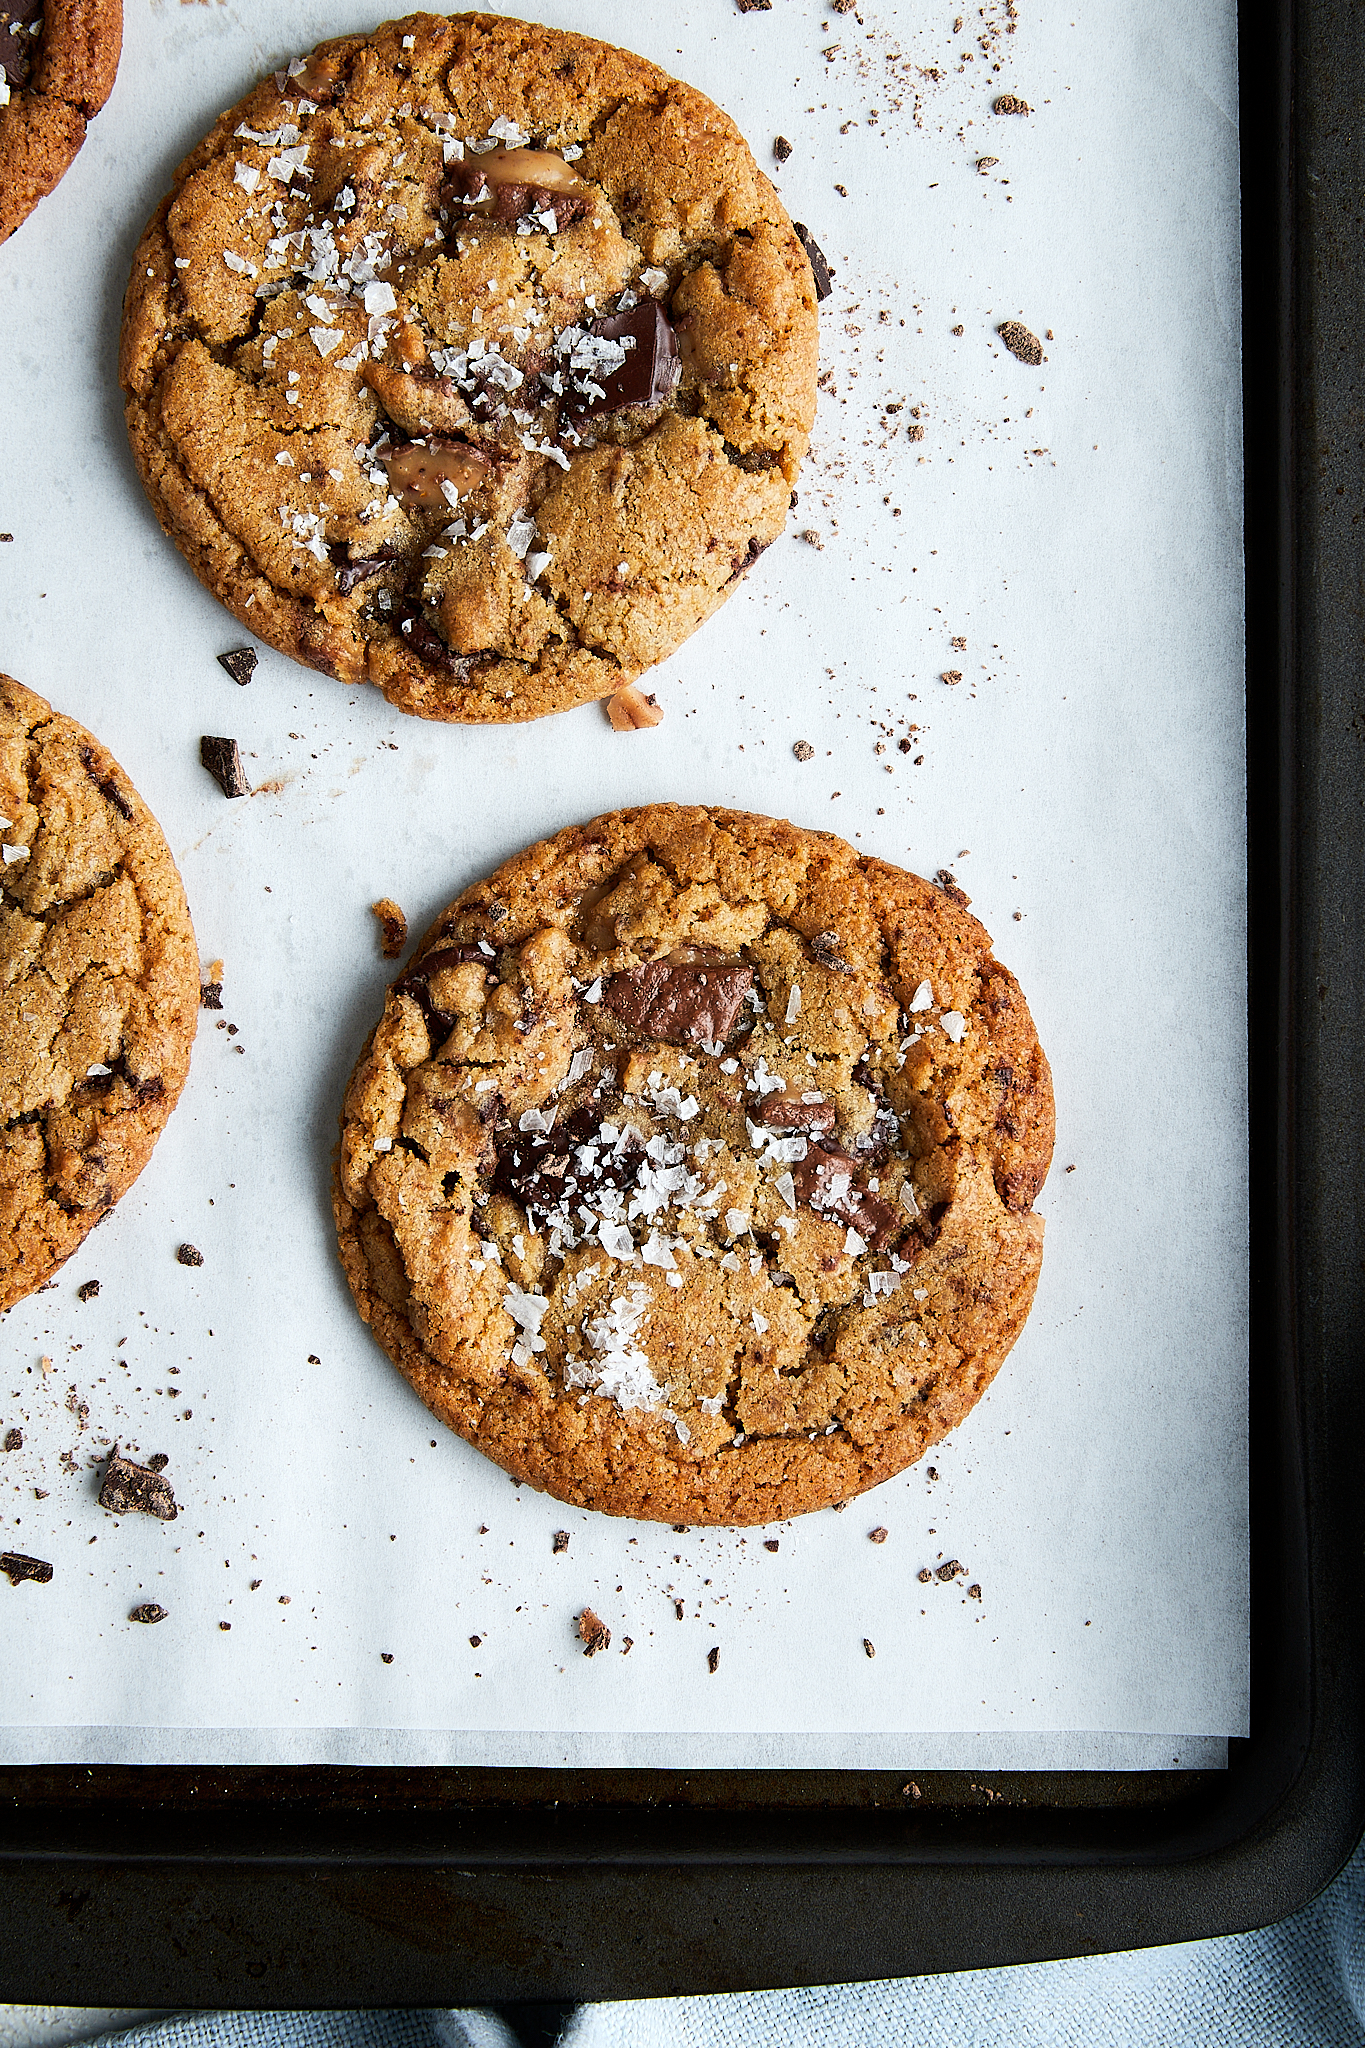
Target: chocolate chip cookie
point(99, 986)
point(689, 1172)
point(471, 358)
point(57, 64)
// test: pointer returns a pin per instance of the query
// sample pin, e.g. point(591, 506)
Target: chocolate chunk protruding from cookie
point(17, 1568)
point(507, 185)
point(819, 268)
point(223, 759)
point(650, 371)
point(427, 644)
point(240, 663)
point(128, 1488)
point(824, 1181)
point(682, 1001)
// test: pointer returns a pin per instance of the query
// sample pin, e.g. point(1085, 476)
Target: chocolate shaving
point(222, 758)
point(650, 371)
point(17, 1567)
point(150, 1611)
point(136, 1489)
point(594, 1633)
point(240, 663)
point(105, 784)
point(681, 1001)
point(819, 269)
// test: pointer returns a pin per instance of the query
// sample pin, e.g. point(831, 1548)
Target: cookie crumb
point(911, 1791)
point(957, 330)
point(771, 1543)
point(1010, 103)
point(812, 539)
point(914, 433)
point(713, 1658)
point(559, 1541)
point(150, 1611)
point(1071, 1168)
point(630, 709)
point(924, 1575)
point(952, 676)
point(226, 1627)
point(189, 1255)
point(223, 759)
point(959, 642)
point(17, 1567)
point(593, 1632)
point(14, 1439)
point(87, 1290)
point(951, 1570)
point(869, 1647)
point(877, 1535)
point(973, 1592)
point(136, 1489)
point(753, 6)
point(393, 927)
point(820, 269)
point(804, 751)
point(240, 663)
point(1020, 342)
point(782, 149)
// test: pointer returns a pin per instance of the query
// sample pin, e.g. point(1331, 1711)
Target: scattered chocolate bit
point(285, 1599)
point(869, 1647)
point(1020, 342)
point(951, 1570)
point(771, 1543)
point(222, 758)
point(189, 1255)
point(386, 1656)
point(240, 663)
point(87, 1290)
point(393, 927)
point(226, 1627)
point(594, 1633)
point(820, 270)
point(1069, 1169)
point(630, 709)
point(105, 784)
point(14, 1439)
point(713, 1658)
point(17, 1567)
point(210, 995)
point(559, 1541)
point(804, 751)
point(973, 1592)
point(683, 1000)
point(952, 676)
point(782, 149)
point(931, 1472)
point(1010, 103)
point(474, 1642)
point(877, 1535)
point(150, 1610)
point(678, 1609)
point(905, 745)
point(924, 1575)
point(40, 1493)
point(651, 368)
point(256, 1585)
point(136, 1489)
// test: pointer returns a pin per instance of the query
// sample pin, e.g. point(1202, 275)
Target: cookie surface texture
point(689, 1173)
point(99, 986)
point(57, 64)
point(471, 358)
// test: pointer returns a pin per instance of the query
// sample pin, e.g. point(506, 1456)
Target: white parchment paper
point(347, 1580)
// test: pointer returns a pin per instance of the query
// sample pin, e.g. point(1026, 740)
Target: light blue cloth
point(1298, 1985)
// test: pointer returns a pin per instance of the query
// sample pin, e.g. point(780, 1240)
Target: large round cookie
point(99, 986)
point(57, 64)
point(473, 358)
point(689, 1171)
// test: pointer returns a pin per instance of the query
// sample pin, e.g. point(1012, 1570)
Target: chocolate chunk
point(87, 1290)
point(547, 1169)
point(559, 1541)
point(386, 1656)
point(427, 644)
point(105, 784)
point(150, 1611)
point(650, 371)
point(822, 948)
point(14, 1439)
point(787, 1113)
point(682, 1000)
point(713, 1658)
point(1020, 342)
point(352, 570)
point(771, 1543)
point(782, 149)
point(416, 982)
point(819, 269)
point(240, 663)
point(393, 927)
point(594, 1633)
point(210, 995)
point(17, 51)
point(17, 1567)
point(189, 1255)
point(824, 1180)
point(506, 185)
point(135, 1489)
point(223, 760)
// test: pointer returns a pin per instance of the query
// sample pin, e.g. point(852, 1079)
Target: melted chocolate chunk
point(105, 784)
point(427, 644)
point(652, 366)
point(547, 1169)
point(786, 1113)
point(135, 1489)
point(223, 759)
point(353, 570)
point(17, 50)
point(683, 1002)
point(17, 1567)
point(240, 663)
point(819, 269)
point(416, 982)
point(824, 1180)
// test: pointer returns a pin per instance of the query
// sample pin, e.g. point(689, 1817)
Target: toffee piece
point(689, 1171)
point(474, 359)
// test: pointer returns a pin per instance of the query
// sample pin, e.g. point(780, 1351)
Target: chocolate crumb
point(386, 1656)
point(804, 751)
point(256, 1585)
point(6, 536)
point(240, 663)
point(877, 1535)
point(1010, 103)
point(1020, 342)
point(14, 1439)
point(17, 1567)
point(210, 995)
point(931, 1471)
point(771, 1543)
point(869, 1647)
point(150, 1611)
point(223, 759)
point(973, 1592)
point(40, 1493)
point(782, 149)
point(226, 1627)
point(313, 1358)
point(474, 1642)
point(678, 1609)
point(924, 1575)
point(1070, 1169)
point(136, 1489)
point(713, 1658)
point(594, 1633)
point(189, 1255)
point(87, 1290)
point(393, 927)
point(627, 1645)
point(820, 269)
point(285, 1599)
point(559, 1541)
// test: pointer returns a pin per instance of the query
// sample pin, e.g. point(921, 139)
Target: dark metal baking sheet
point(327, 1887)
